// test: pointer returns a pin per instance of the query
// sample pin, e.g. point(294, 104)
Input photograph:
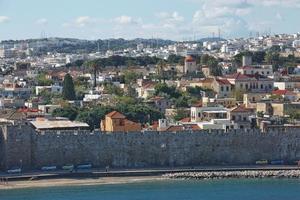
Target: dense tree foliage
point(68, 112)
point(43, 81)
point(212, 63)
point(68, 92)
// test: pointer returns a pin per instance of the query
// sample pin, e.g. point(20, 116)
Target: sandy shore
point(77, 182)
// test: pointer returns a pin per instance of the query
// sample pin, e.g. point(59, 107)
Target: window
point(227, 88)
point(233, 117)
point(199, 114)
point(121, 122)
point(222, 88)
point(261, 86)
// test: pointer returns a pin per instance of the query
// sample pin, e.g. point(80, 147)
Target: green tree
point(113, 89)
point(68, 112)
point(160, 70)
point(181, 114)
point(43, 81)
point(68, 92)
point(239, 94)
point(130, 77)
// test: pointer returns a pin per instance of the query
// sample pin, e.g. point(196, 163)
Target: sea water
point(230, 189)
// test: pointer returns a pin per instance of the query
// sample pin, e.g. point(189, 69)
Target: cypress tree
point(68, 88)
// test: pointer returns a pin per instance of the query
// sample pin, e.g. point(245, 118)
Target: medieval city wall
point(149, 149)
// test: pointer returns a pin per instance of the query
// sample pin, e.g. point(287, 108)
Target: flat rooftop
point(59, 124)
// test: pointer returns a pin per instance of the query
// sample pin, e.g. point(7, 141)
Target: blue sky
point(169, 19)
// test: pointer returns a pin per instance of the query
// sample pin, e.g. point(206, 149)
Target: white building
point(52, 89)
point(200, 114)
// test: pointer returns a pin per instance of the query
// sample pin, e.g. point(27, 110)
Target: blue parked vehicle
point(84, 166)
point(277, 162)
point(49, 168)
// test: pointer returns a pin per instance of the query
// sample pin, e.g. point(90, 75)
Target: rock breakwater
point(235, 174)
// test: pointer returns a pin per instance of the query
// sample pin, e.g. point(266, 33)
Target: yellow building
point(117, 122)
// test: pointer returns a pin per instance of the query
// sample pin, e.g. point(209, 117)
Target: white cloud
point(249, 3)
point(42, 21)
point(170, 19)
point(127, 20)
point(4, 19)
point(227, 16)
point(83, 21)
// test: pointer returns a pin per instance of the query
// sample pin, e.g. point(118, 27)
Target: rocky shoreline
point(235, 174)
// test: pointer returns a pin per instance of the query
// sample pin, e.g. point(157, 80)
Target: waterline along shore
point(58, 179)
point(235, 174)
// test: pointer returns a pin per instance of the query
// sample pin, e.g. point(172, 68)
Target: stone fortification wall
point(151, 149)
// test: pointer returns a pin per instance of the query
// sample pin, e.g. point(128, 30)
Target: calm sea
point(269, 189)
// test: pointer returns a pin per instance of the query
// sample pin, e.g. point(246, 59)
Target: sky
point(167, 19)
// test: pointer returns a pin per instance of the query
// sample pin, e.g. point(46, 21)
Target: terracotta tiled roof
point(207, 80)
point(283, 92)
point(237, 76)
point(175, 128)
point(149, 85)
point(242, 108)
point(189, 59)
point(156, 98)
point(115, 115)
point(223, 82)
point(187, 119)
point(197, 104)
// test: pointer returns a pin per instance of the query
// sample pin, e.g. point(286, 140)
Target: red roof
point(189, 59)
point(156, 98)
point(242, 108)
point(149, 85)
point(175, 128)
point(197, 104)
point(186, 119)
point(283, 92)
point(115, 115)
point(28, 110)
point(223, 82)
point(238, 76)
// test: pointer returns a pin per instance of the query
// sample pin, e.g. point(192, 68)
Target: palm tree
point(160, 70)
point(95, 66)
